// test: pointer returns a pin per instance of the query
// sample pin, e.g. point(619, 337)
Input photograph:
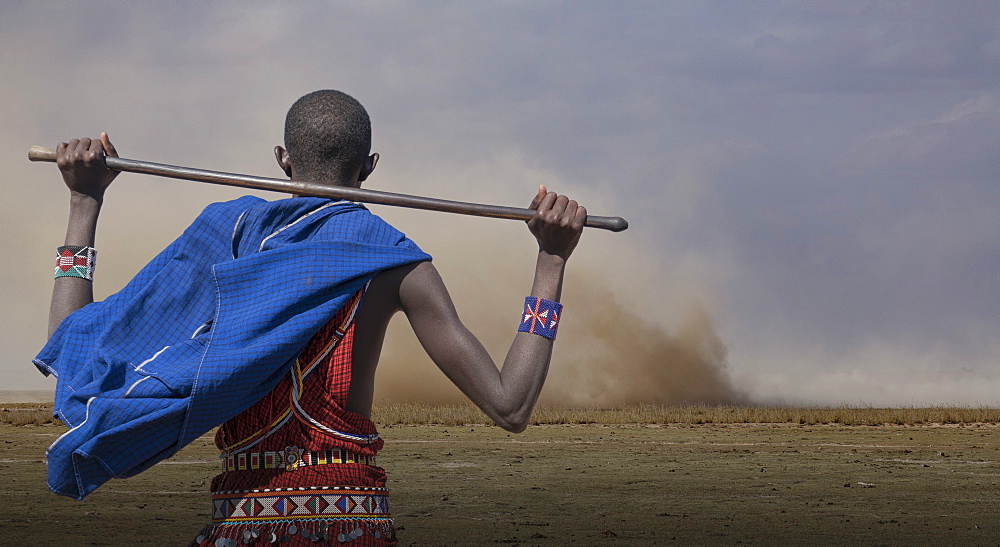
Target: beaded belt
point(290, 458)
point(279, 504)
point(317, 513)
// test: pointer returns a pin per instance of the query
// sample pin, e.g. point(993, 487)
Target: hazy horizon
point(811, 186)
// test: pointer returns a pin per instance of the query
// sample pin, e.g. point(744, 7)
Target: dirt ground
point(583, 484)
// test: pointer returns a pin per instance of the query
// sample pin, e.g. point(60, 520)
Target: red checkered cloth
point(304, 504)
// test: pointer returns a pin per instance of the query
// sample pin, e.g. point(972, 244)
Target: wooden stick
point(303, 188)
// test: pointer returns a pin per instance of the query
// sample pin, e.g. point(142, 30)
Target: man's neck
point(346, 182)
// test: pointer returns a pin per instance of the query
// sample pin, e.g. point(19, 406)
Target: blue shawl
point(204, 330)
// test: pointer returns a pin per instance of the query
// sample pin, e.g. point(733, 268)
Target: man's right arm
point(507, 395)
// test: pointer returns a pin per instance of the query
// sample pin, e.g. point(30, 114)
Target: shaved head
point(328, 135)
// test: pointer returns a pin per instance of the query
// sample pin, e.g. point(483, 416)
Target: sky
point(812, 187)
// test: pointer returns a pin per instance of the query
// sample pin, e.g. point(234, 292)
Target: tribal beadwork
point(74, 261)
point(312, 503)
point(291, 457)
point(540, 317)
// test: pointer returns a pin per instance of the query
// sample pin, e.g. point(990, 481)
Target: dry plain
point(590, 483)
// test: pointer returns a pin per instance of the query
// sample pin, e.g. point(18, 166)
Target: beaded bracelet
point(540, 317)
point(73, 261)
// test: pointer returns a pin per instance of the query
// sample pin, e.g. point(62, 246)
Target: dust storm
point(606, 355)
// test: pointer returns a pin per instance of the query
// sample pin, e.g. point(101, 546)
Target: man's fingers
point(74, 149)
point(78, 148)
point(62, 155)
point(109, 148)
point(555, 210)
point(581, 217)
point(542, 209)
point(559, 206)
point(569, 213)
point(535, 201)
point(89, 151)
point(547, 201)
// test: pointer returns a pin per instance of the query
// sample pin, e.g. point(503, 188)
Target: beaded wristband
point(73, 261)
point(540, 317)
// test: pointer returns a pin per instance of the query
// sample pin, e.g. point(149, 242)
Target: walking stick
point(303, 188)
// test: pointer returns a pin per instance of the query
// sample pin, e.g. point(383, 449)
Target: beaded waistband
point(290, 458)
point(300, 503)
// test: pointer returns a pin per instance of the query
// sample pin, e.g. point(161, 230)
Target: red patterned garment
point(299, 469)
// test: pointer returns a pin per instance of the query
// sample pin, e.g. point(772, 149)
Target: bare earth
point(584, 484)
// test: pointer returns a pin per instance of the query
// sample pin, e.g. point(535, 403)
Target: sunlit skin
point(507, 395)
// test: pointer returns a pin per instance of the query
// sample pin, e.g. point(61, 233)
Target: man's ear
point(284, 160)
point(368, 167)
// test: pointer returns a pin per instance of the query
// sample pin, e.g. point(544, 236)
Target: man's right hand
point(82, 164)
point(557, 224)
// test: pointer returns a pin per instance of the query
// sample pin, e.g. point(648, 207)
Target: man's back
point(328, 139)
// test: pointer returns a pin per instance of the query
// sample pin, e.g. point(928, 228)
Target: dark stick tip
point(618, 224)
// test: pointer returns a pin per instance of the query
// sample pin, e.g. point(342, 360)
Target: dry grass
point(466, 414)
point(646, 414)
point(27, 414)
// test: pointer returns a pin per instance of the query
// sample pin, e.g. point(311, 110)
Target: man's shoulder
point(259, 212)
point(226, 209)
point(259, 224)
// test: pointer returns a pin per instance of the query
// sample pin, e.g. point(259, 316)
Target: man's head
point(328, 138)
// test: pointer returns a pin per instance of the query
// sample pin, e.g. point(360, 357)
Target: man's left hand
point(82, 164)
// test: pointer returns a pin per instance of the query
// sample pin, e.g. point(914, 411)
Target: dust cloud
point(607, 355)
point(613, 356)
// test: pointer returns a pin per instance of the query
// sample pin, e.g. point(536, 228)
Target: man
point(283, 306)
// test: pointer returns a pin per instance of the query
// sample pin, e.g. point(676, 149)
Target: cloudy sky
point(812, 187)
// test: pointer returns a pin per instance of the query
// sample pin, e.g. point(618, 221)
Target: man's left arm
point(81, 162)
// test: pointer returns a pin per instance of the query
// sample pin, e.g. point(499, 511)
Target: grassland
point(467, 414)
point(643, 475)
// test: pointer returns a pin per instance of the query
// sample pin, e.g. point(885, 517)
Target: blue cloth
point(204, 330)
